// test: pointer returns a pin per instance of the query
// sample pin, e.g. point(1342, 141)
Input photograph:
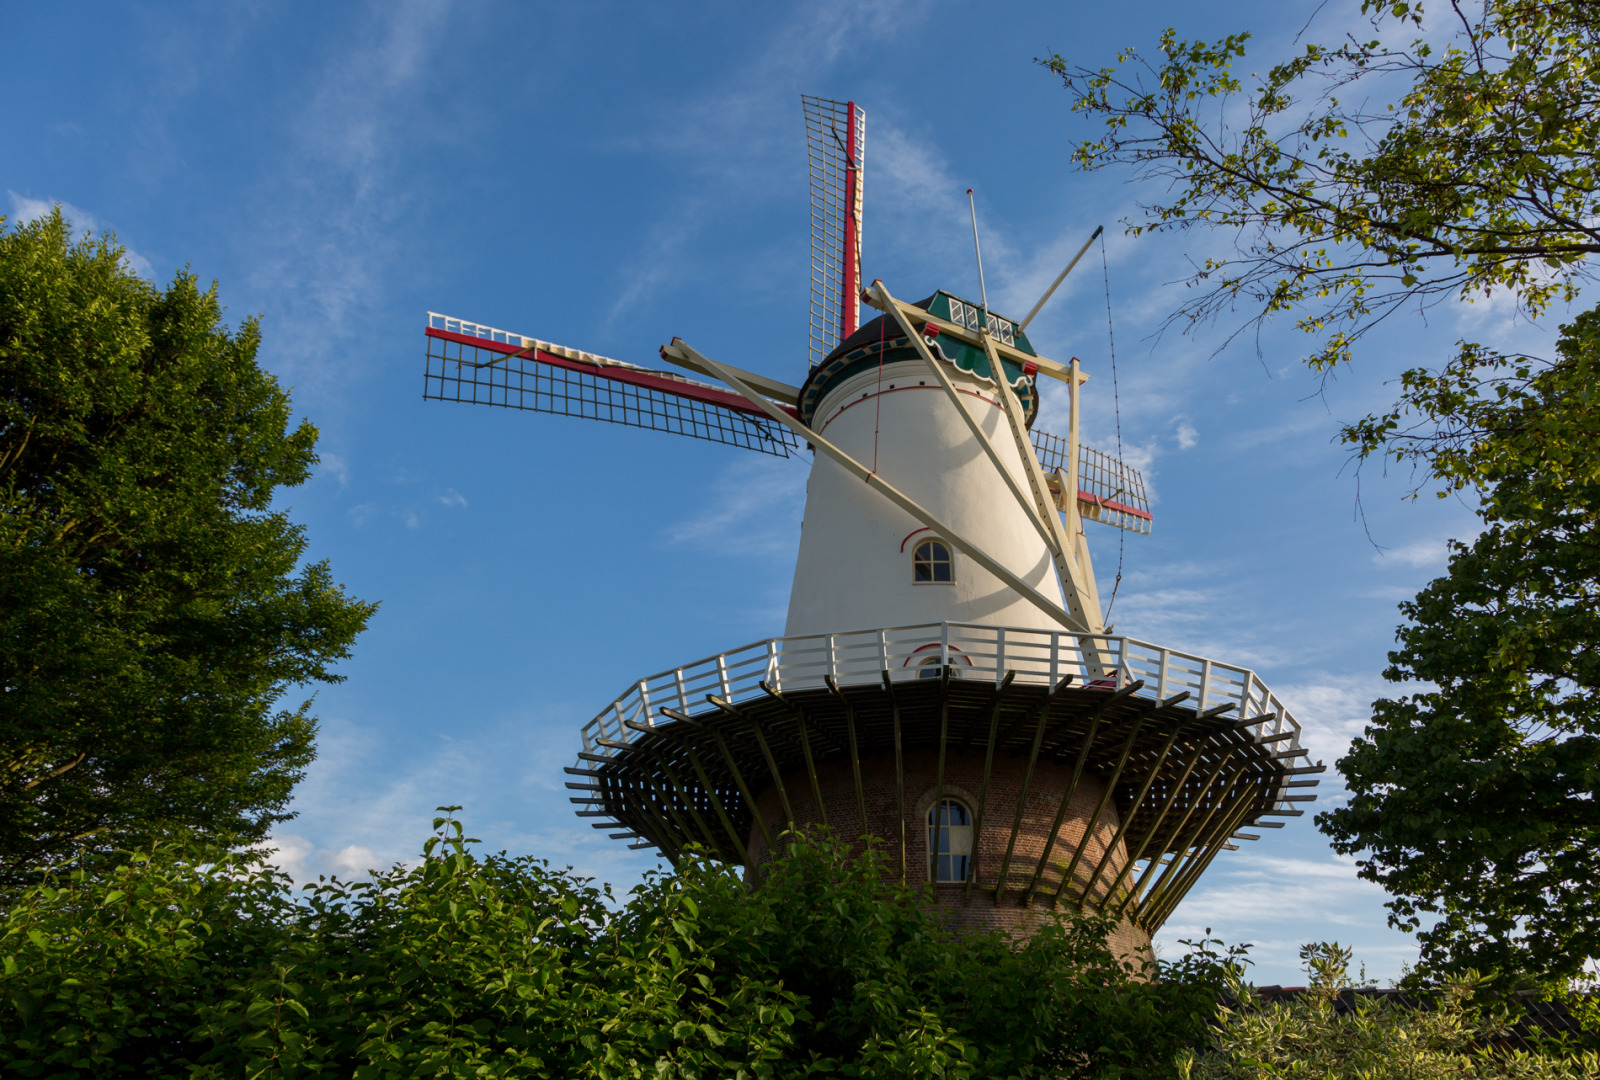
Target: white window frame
point(950, 557)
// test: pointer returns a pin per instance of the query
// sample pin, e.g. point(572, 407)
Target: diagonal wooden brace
point(889, 491)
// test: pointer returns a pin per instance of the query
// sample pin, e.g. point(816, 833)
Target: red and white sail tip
point(836, 139)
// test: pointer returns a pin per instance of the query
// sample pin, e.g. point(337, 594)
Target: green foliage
point(1465, 168)
point(151, 609)
point(202, 964)
point(1309, 1036)
point(1363, 176)
point(1474, 800)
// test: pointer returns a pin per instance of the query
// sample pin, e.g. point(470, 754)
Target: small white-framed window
point(931, 667)
point(949, 841)
point(931, 563)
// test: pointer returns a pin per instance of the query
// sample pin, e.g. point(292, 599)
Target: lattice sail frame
point(1109, 491)
point(836, 139)
point(478, 364)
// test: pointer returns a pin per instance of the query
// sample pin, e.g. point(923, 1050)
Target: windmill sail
point(836, 140)
point(469, 362)
point(1109, 491)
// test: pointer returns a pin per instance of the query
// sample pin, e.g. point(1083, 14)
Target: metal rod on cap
point(982, 289)
point(1051, 291)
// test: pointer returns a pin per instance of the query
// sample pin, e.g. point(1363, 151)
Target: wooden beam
point(775, 389)
point(938, 784)
point(1177, 832)
point(1072, 782)
point(716, 804)
point(871, 478)
point(1027, 779)
point(744, 790)
point(1078, 584)
point(675, 833)
point(1151, 710)
point(1032, 513)
point(899, 771)
point(766, 752)
point(694, 811)
point(855, 752)
point(983, 786)
point(805, 748)
point(1127, 820)
point(1194, 847)
point(1094, 820)
point(1149, 834)
point(705, 779)
point(1048, 367)
point(1213, 848)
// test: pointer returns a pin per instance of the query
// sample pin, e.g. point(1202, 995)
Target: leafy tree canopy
point(1474, 800)
point(152, 606)
point(1358, 180)
point(1362, 177)
point(464, 965)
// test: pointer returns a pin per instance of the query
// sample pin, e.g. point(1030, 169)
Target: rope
point(1116, 407)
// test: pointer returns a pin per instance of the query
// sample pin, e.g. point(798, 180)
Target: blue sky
point(607, 176)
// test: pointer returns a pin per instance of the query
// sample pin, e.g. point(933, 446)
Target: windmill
point(944, 681)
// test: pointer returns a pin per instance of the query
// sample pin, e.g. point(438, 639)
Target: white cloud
point(1422, 555)
point(362, 513)
point(25, 209)
point(452, 497)
point(376, 797)
point(1186, 434)
point(1334, 709)
point(1269, 902)
point(334, 467)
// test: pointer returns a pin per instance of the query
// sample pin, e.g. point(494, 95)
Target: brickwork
point(975, 908)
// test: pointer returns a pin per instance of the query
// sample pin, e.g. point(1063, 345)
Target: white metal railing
point(976, 652)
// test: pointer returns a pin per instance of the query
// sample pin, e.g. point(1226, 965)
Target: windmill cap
point(880, 341)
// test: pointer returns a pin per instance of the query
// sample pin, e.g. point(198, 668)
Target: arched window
point(949, 841)
point(931, 668)
point(931, 564)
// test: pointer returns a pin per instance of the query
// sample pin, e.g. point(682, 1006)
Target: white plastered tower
point(854, 568)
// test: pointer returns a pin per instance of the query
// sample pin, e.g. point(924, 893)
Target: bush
point(202, 963)
point(1448, 1036)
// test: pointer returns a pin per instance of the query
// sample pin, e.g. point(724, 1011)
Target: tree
point(201, 963)
point(1459, 171)
point(151, 609)
point(1475, 800)
point(1473, 174)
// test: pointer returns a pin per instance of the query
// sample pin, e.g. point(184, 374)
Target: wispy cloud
point(375, 800)
point(1421, 555)
point(1266, 901)
point(753, 508)
point(337, 203)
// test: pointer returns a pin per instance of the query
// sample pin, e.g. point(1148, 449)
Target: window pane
point(950, 851)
